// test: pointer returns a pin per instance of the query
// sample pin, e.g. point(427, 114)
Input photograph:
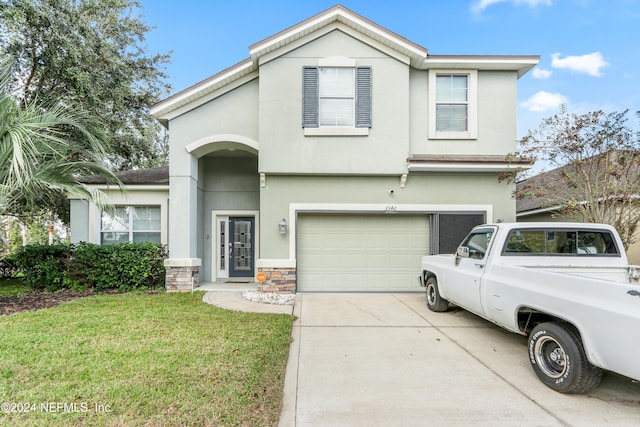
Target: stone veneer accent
point(279, 280)
point(178, 279)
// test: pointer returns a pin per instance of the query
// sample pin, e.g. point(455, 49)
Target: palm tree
point(43, 151)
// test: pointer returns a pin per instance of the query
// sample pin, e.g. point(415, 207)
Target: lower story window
point(130, 224)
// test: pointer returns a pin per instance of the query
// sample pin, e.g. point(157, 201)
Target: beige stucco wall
point(497, 121)
point(265, 109)
point(285, 149)
point(233, 113)
point(350, 194)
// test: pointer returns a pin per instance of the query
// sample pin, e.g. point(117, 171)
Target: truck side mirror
point(462, 252)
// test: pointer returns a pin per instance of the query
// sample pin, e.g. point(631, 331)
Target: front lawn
point(142, 359)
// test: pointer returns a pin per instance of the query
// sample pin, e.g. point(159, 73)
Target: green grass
point(12, 287)
point(161, 360)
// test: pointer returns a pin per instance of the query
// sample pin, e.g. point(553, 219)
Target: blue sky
point(589, 49)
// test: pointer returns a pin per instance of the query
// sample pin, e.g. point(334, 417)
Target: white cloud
point(590, 64)
point(540, 73)
point(481, 5)
point(544, 101)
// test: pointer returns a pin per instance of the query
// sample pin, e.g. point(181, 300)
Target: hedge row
point(124, 267)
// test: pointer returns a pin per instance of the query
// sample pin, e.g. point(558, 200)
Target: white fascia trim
point(376, 208)
point(162, 109)
point(465, 167)
point(128, 189)
point(335, 15)
point(412, 49)
point(521, 65)
point(539, 211)
point(222, 138)
point(479, 61)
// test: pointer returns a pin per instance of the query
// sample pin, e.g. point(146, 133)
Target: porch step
point(228, 286)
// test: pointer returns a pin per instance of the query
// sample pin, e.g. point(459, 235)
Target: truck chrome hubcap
point(550, 357)
point(431, 294)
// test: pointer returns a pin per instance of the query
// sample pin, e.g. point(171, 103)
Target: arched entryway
point(229, 205)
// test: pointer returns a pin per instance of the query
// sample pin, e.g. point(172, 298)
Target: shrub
point(123, 267)
point(45, 266)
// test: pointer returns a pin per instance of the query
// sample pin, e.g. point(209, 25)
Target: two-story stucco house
point(334, 157)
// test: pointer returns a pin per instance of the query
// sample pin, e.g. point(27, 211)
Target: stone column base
point(182, 275)
point(280, 280)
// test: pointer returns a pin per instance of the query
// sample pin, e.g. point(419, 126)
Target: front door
point(241, 246)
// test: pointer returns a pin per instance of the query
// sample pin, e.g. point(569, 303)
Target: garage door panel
point(371, 253)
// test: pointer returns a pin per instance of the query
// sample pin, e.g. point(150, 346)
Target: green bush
point(123, 267)
point(45, 266)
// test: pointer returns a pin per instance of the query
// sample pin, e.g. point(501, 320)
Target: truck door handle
point(479, 265)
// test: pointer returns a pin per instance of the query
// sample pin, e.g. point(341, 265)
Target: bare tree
point(596, 175)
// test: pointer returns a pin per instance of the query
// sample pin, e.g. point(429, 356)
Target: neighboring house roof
point(548, 188)
point(537, 203)
point(152, 176)
point(337, 17)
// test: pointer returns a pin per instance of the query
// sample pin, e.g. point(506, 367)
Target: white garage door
point(364, 253)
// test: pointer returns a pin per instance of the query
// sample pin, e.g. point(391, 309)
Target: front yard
point(142, 359)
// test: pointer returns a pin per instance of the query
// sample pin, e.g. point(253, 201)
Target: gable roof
point(340, 14)
point(332, 18)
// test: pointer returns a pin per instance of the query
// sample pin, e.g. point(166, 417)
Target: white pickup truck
point(568, 286)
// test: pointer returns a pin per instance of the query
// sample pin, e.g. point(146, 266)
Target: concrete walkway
point(235, 301)
point(386, 360)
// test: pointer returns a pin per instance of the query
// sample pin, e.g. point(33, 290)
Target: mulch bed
point(36, 300)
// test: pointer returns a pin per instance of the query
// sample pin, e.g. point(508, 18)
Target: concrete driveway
point(386, 360)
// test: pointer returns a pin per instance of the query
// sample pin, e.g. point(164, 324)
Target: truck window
point(560, 242)
point(478, 243)
point(526, 241)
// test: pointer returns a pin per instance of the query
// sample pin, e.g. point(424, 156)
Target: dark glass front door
point(241, 246)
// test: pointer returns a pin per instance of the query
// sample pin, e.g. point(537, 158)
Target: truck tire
point(557, 357)
point(434, 301)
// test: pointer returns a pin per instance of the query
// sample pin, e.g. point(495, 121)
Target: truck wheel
point(434, 301)
point(558, 359)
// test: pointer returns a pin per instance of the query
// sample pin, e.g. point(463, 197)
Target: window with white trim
point(130, 224)
point(453, 104)
point(336, 97)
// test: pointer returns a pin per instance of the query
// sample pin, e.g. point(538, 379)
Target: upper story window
point(453, 104)
point(130, 224)
point(336, 100)
point(337, 96)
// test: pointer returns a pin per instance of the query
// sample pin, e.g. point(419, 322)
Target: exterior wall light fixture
point(282, 226)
